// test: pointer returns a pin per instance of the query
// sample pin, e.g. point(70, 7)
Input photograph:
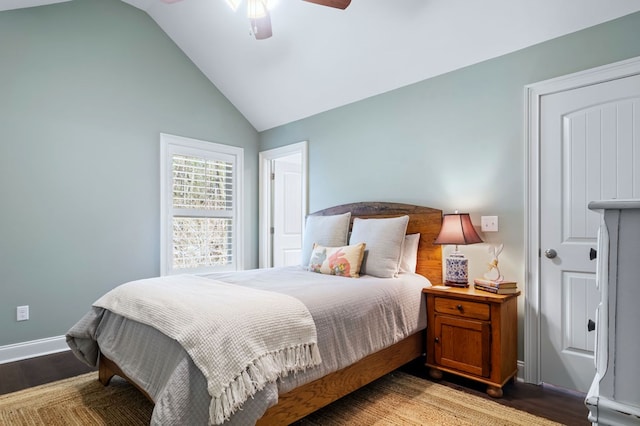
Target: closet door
point(589, 150)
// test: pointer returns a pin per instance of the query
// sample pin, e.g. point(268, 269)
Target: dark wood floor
point(37, 371)
point(563, 407)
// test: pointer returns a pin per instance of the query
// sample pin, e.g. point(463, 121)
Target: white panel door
point(287, 211)
point(589, 150)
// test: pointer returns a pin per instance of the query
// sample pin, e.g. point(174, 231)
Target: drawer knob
point(459, 307)
point(437, 339)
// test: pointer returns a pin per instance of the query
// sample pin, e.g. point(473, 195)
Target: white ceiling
point(320, 58)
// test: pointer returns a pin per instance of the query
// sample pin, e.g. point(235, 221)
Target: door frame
point(265, 194)
point(532, 98)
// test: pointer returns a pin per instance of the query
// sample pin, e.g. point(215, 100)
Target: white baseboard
point(32, 349)
point(520, 375)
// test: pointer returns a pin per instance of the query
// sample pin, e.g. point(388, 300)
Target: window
point(201, 206)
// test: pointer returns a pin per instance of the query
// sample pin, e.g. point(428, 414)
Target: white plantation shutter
point(201, 206)
point(201, 183)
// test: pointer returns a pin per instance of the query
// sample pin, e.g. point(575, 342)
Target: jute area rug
point(396, 399)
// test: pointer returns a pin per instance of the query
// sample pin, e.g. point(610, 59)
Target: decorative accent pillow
point(343, 261)
point(409, 258)
point(384, 239)
point(329, 231)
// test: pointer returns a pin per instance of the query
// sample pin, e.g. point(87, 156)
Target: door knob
point(550, 253)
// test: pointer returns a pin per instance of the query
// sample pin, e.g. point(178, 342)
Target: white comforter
point(240, 338)
point(354, 317)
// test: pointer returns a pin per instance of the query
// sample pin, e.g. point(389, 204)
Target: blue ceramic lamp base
point(456, 273)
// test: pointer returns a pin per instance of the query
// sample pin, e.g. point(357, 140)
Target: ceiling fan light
point(257, 9)
point(233, 4)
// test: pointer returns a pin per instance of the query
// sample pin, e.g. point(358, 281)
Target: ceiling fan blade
point(261, 27)
point(338, 4)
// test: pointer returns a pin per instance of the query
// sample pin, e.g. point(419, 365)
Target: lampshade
point(457, 229)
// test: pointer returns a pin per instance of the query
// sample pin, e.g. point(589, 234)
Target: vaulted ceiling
point(320, 58)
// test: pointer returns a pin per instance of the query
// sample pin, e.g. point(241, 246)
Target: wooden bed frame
point(312, 396)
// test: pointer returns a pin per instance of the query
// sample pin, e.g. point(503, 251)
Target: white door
point(267, 217)
point(287, 210)
point(588, 151)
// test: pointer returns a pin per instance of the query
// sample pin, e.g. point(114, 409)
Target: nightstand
point(472, 333)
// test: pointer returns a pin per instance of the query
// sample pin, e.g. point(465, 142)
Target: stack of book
point(498, 287)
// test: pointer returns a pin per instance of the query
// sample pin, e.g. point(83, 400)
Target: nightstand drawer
point(463, 308)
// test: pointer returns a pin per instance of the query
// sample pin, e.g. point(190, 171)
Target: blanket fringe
point(256, 375)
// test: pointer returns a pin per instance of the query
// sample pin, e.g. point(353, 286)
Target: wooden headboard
point(423, 220)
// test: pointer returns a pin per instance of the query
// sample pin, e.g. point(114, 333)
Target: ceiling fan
point(258, 13)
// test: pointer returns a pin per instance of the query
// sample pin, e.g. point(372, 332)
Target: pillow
point(342, 261)
point(409, 258)
point(329, 231)
point(383, 239)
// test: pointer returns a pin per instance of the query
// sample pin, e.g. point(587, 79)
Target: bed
point(353, 353)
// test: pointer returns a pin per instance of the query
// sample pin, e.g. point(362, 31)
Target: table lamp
point(457, 229)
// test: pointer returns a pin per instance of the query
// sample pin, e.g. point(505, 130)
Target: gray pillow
point(328, 231)
point(383, 239)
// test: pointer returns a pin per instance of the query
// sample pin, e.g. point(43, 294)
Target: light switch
point(489, 223)
point(22, 313)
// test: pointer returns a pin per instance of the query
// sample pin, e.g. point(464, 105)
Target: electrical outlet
point(22, 313)
point(489, 223)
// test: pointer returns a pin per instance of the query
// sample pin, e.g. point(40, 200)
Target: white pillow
point(383, 239)
point(328, 231)
point(409, 258)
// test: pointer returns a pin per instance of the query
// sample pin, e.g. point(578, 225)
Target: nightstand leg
point(435, 374)
point(494, 391)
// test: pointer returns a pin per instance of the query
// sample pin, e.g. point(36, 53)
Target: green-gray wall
point(455, 141)
point(86, 87)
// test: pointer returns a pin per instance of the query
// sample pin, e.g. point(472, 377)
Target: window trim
point(170, 144)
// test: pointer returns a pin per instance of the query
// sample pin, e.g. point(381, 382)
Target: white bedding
point(354, 317)
point(239, 337)
point(359, 315)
